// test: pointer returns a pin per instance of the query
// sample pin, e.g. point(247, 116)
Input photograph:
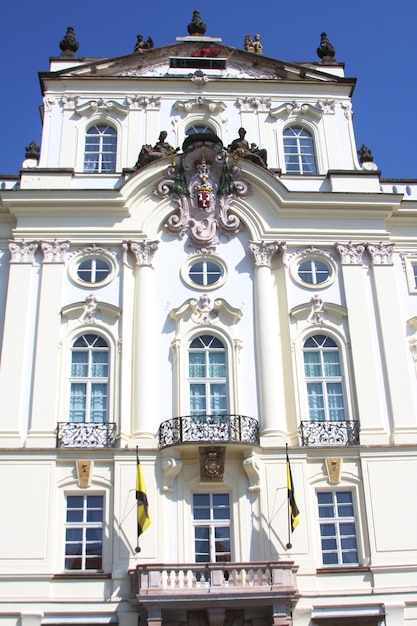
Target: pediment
point(228, 62)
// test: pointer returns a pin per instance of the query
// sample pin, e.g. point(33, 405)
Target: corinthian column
point(18, 343)
point(145, 344)
point(269, 364)
point(46, 373)
point(394, 347)
point(372, 413)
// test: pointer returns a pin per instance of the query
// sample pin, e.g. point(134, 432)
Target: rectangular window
point(84, 533)
point(337, 528)
point(211, 515)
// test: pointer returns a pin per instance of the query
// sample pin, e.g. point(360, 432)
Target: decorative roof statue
point(253, 45)
point(240, 149)
point(141, 44)
point(366, 159)
point(69, 45)
point(32, 153)
point(160, 150)
point(326, 51)
point(196, 26)
point(365, 154)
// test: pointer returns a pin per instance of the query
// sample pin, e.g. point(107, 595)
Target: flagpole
point(289, 544)
point(138, 548)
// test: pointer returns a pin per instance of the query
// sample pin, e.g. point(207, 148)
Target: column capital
point(381, 253)
point(264, 251)
point(143, 251)
point(55, 251)
point(351, 253)
point(22, 251)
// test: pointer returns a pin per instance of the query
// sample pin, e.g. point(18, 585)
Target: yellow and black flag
point(144, 518)
point(294, 513)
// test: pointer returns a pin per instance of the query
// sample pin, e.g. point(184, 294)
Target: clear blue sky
point(376, 39)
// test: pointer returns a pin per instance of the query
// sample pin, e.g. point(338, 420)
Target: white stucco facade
point(300, 287)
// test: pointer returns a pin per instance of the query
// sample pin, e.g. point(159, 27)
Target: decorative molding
point(144, 102)
point(84, 472)
point(351, 253)
point(298, 108)
point(347, 109)
point(203, 312)
point(252, 467)
point(381, 253)
point(55, 252)
point(199, 79)
point(90, 307)
point(143, 251)
point(48, 103)
point(327, 106)
point(325, 311)
point(334, 469)
point(317, 310)
point(23, 251)
point(264, 251)
point(202, 185)
point(92, 106)
point(69, 102)
point(212, 461)
point(170, 469)
point(254, 104)
point(200, 103)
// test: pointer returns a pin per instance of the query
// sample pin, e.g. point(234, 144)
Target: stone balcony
point(229, 585)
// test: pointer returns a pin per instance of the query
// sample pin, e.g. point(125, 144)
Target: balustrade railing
point(341, 433)
point(209, 429)
point(86, 435)
point(261, 578)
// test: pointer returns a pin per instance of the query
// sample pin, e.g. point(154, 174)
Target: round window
point(204, 272)
point(93, 270)
point(313, 271)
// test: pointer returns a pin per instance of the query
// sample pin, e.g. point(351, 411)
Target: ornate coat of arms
point(202, 183)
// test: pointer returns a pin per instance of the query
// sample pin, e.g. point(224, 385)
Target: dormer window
point(300, 155)
point(100, 149)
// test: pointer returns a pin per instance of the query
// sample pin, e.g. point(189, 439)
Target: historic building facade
point(199, 263)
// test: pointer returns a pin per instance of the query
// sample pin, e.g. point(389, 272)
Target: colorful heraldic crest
point(203, 184)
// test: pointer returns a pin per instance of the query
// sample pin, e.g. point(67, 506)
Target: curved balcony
point(341, 433)
point(86, 435)
point(209, 429)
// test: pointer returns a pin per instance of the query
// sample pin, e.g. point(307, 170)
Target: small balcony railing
point(342, 433)
point(258, 581)
point(85, 435)
point(209, 429)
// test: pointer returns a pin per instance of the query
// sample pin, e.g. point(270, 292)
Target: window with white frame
point(211, 521)
point(100, 149)
point(410, 262)
point(324, 379)
point(89, 379)
point(84, 532)
point(207, 371)
point(339, 545)
point(93, 270)
point(299, 151)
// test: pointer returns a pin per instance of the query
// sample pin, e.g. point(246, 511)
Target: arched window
point(100, 149)
point(300, 156)
point(324, 379)
point(207, 372)
point(89, 379)
point(198, 129)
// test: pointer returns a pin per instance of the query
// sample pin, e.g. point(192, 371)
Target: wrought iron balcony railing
point(329, 433)
point(253, 582)
point(85, 435)
point(209, 429)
